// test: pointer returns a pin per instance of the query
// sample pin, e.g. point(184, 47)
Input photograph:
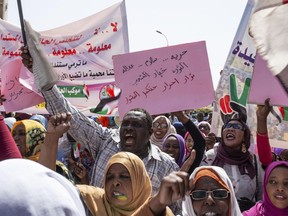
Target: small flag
point(103, 108)
point(86, 91)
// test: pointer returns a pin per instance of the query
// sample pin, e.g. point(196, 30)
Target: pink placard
point(265, 85)
point(165, 79)
point(17, 95)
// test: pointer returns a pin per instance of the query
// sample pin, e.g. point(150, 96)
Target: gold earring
point(243, 149)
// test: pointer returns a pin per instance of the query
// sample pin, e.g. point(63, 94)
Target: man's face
point(134, 133)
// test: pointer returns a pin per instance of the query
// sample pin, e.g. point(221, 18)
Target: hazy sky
point(182, 21)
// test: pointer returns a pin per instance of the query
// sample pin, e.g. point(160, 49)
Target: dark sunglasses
point(161, 125)
point(216, 194)
point(234, 125)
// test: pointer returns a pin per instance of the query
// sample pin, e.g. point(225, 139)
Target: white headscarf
point(187, 207)
point(30, 189)
point(170, 129)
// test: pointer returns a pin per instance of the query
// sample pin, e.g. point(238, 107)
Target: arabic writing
point(18, 91)
point(86, 74)
point(166, 85)
point(97, 49)
point(248, 58)
point(69, 65)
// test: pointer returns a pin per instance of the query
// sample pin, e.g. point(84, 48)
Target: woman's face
point(171, 147)
point(204, 128)
point(189, 142)
point(277, 187)
point(160, 128)
point(210, 206)
point(19, 136)
point(118, 185)
point(233, 134)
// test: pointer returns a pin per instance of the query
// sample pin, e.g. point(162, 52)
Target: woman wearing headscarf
point(29, 137)
point(126, 182)
point(242, 166)
point(174, 145)
point(161, 128)
point(121, 195)
point(275, 192)
point(212, 194)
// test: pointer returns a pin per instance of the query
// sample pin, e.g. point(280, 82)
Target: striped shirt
point(104, 142)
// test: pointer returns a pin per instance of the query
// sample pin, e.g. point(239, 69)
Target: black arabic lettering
point(141, 76)
point(150, 61)
point(148, 89)
point(132, 97)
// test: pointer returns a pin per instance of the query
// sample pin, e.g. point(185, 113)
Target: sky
point(182, 21)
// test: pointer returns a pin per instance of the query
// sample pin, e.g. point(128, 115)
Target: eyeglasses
point(216, 194)
point(161, 125)
point(234, 125)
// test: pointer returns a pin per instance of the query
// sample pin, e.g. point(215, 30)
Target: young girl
point(275, 192)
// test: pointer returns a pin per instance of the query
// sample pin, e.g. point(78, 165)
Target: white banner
point(81, 53)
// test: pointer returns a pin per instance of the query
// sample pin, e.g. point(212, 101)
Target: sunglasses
point(234, 125)
point(216, 194)
point(161, 125)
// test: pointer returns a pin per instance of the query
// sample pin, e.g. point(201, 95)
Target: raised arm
point(199, 141)
point(84, 130)
point(263, 145)
point(57, 126)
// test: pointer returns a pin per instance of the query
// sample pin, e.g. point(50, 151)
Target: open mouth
point(119, 196)
point(210, 214)
point(129, 140)
point(230, 136)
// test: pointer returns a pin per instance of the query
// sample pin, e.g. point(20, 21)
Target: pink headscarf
point(266, 207)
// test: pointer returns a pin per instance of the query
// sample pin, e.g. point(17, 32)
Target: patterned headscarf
point(266, 207)
point(98, 203)
point(219, 175)
point(35, 134)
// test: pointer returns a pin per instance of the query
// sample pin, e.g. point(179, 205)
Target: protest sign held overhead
point(158, 79)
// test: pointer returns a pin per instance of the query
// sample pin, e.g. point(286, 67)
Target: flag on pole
point(269, 29)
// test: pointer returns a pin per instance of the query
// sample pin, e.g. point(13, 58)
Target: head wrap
point(35, 134)
point(266, 207)
point(98, 203)
point(278, 151)
point(10, 122)
point(226, 155)
point(219, 175)
point(8, 148)
point(41, 119)
point(170, 129)
point(182, 147)
point(36, 190)
point(180, 128)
